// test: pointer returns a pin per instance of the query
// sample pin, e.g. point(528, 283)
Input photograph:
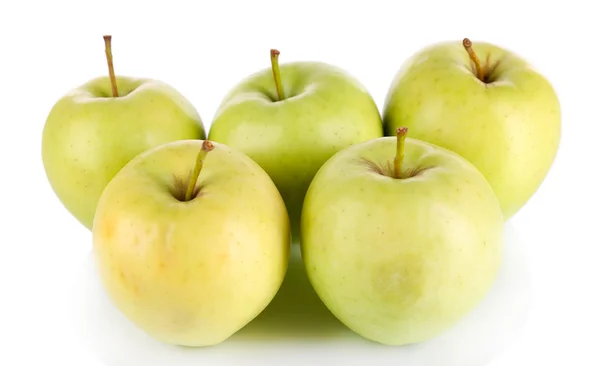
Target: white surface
point(50, 47)
point(297, 323)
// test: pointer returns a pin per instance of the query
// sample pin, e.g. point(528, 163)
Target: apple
point(400, 238)
point(291, 119)
point(485, 103)
point(190, 257)
point(96, 128)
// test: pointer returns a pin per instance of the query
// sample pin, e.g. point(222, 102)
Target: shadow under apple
point(297, 323)
point(295, 312)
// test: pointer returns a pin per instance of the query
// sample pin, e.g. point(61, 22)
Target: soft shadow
point(295, 312)
point(296, 326)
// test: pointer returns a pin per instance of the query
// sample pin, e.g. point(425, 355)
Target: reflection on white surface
point(296, 328)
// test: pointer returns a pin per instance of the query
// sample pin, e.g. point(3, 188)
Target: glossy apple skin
point(509, 129)
point(325, 110)
point(399, 261)
point(191, 273)
point(89, 135)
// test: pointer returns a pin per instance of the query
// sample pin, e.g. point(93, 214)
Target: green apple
point(96, 128)
point(291, 119)
point(400, 238)
point(488, 105)
point(190, 257)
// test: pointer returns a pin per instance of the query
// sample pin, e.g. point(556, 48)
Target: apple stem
point(276, 74)
point(111, 68)
point(400, 139)
point(206, 147)
point(468, 45)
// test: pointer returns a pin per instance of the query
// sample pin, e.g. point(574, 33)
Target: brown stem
point(400, 139)
point(276, 74)
point(206, 147)
point(468, 45)
point(111, 69)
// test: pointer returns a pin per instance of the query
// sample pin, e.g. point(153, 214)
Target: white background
point(47, 48)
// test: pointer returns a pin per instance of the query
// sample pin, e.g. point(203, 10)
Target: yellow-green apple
point(400, 238)
point(302, 113)
point(191, 241)
point(487, 104)
point(96, 128)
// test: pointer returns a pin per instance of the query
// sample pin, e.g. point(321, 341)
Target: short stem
point(206, 147)
point(276, 74)
point(400, 139)
point(111, 69)
point(468, 45)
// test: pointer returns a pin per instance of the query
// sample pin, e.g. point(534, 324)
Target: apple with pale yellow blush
point(191, 241)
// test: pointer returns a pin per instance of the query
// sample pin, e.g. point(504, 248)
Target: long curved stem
point(111, 68)
point(277, 74)
point(206, 147)
point(468, 45)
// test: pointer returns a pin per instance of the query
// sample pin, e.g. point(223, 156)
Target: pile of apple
point(399, 218)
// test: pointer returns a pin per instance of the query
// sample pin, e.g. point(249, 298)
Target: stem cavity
point(111, 69)
point(191, 188)
point(276, 74)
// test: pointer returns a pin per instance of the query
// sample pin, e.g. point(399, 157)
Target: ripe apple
point(488, 105)
point(302, 113)
point(96, 128)
point(400, 247)
point(191, 257)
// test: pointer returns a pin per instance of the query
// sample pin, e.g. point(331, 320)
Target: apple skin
point(509, 128)
point(191, 273)
point(89, 135)
point(399, 261)
point(325, 110)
